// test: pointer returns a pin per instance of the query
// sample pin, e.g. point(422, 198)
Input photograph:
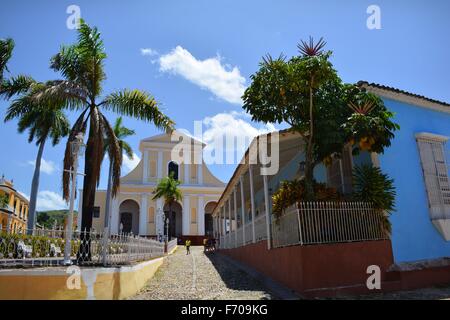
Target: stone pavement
point(201, 276)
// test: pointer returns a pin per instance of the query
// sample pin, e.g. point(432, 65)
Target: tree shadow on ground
point(235, 278)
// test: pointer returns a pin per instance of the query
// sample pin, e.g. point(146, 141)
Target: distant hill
point(47, 218)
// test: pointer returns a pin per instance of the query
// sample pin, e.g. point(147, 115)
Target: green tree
point(168, 189)
point(43, 122)
point(4, 200)
point(82, 68)
point(307, 93)
point(121, 132)
point(6, 49)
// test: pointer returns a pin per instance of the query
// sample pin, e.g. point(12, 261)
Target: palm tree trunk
point(170, 221)
point(34, 189)
point(108, 199)
point(89, 188)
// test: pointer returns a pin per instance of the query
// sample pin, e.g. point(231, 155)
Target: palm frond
point(114, 153)
point(311, 49)
point(79, 126)
point(140, 105)
point(15, 86)
point(6, 49)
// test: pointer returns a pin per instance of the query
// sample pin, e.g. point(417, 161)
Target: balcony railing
point(8, 208)
point(329, 222)
point(315, 223)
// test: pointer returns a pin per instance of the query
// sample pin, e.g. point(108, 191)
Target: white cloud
point(49, 200)
point(47, 167)
point(231, 127)
point(224, 81)
point(129, 164)
point(149, 52)
point(23, 194)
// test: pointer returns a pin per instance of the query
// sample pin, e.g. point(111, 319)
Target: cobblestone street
point(200, 276)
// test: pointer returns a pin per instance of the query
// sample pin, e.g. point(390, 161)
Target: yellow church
point(134, 211)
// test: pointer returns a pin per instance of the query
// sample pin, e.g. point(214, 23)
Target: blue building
point(419, 162)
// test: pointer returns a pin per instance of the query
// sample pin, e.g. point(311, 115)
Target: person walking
point(188, 246)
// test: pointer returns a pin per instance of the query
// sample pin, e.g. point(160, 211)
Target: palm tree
point(82, 68)
point(121, 133)
point(42, 122)
point(6, 48)
point(168, 189)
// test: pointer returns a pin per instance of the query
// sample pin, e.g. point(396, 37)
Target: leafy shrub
point(293, 191)
point(370, 184)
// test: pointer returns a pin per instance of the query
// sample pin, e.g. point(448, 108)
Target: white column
point(186, 216)
point(267, 204)
point(241, 181)
point(160, 164)
point(145, 167)
point(159, 217)
point(143, 216)
point(200, 216)
point(230, 222)
point(115, 216)
point(229, 216)
point(186, 170)
point(222, 222)
point(252, 201)
point(235, 216)
point(217, 227)
point(80, 209)
point(200, 173)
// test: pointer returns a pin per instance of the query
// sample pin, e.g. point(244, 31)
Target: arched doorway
point(209, 231)
point(175, 220)
point(173, 168)
point(129, 217)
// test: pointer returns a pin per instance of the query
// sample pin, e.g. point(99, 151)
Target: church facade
point(133, 210)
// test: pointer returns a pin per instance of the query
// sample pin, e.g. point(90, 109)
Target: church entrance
point(129, 217)
point(175, 220)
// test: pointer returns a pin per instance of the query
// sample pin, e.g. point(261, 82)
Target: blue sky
point(200, 54)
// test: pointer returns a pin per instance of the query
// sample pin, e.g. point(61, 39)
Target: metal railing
point(46, 247)
point(328, 222)
point(248, 233)
point(172, 244)
point(8, 207)
point(260, 227)
point(315, 223)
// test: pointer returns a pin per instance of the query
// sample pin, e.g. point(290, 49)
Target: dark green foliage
point(370, 184)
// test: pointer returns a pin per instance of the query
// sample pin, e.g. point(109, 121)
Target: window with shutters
point(339, 173)
point(434, 158)
point(153, 169)
point(193, 215)
point(151, 215)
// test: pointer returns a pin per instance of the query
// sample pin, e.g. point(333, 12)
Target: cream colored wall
point(135, 175)
point(100, 200)
point(151, 226)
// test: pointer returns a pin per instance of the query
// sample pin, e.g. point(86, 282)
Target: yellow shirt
point(188, 243)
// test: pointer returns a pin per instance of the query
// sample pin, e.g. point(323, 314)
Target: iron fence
point(328, 222)
point(172, 244)
point(315, 223)
point(46, 247)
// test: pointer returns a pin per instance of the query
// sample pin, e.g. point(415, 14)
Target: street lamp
point(77, 148)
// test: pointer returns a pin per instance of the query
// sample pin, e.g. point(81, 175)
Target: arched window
point(173, 167)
